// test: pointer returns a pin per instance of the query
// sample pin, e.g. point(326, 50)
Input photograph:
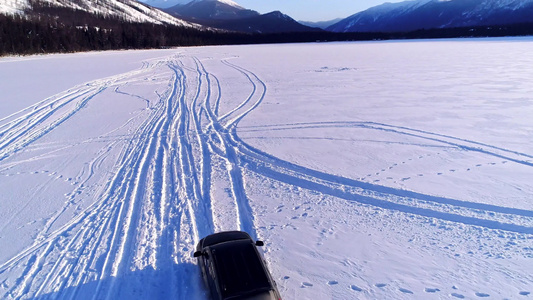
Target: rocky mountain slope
point(125, 10)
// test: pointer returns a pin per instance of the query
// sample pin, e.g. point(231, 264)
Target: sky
point(312, 10)
point(301, 10)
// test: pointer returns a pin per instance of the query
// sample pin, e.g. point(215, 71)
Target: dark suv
point(232, 267)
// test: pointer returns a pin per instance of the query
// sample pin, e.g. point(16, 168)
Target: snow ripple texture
point(176, 169)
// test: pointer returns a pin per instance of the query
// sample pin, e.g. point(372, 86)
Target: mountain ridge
point(126, 10)
point(427, 14)
point(223, 14)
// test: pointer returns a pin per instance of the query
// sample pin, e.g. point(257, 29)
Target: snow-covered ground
point(378, 170)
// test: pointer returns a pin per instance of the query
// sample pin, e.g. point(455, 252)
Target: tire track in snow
point(39, 119)
point(28, 129)
point(510, 155)
point(382, 196)
point(199, 156)
point(233, 163)
point(120, 217)
point(158, 203)
point(454, 142)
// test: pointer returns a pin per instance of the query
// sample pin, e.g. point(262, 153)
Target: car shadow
point(175, 281)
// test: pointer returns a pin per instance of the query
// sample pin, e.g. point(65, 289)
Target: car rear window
point(224, 237)
point(239, 268)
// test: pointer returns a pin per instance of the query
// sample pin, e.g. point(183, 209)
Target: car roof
point(239, 268)
point(225, 236)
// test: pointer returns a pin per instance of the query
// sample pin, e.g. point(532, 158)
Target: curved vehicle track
point(159, 198)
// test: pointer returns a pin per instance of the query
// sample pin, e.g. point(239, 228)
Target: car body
point(233, 268)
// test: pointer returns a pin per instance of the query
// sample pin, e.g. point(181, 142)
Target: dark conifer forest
point(67, 30)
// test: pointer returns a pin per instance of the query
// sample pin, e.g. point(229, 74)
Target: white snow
point(129, 10)
point(165, 3)
point(229, 2)
point(170, 3)
point(377, 170)
point(13, 6)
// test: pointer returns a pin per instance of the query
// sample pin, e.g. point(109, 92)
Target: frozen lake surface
point(372, 170)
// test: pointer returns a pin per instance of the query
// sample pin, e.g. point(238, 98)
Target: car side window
point(210, 274)
point(211, 269)
point(207, 262)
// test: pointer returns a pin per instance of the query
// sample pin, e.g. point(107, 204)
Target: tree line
point(20, 35)
point(75, 30)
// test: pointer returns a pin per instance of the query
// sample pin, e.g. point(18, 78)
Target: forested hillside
point(56, 29)
point(49, 29)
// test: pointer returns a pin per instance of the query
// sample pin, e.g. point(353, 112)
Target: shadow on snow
point(176, 281)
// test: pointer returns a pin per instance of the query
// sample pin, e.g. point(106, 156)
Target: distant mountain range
point(389, 17)
point(206, 10)
point(226, 14)
point(44, 26)
point(221, 14)
point(426, 14)
point(320, 24)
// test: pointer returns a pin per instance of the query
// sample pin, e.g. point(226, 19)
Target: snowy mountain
point(320, 24)
point(170, 3)
point(13, 7)
point(127, 10)
point(273, 22)
point(164, 3)
point(413, 15)
point(229, 15)
point(211, 10)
